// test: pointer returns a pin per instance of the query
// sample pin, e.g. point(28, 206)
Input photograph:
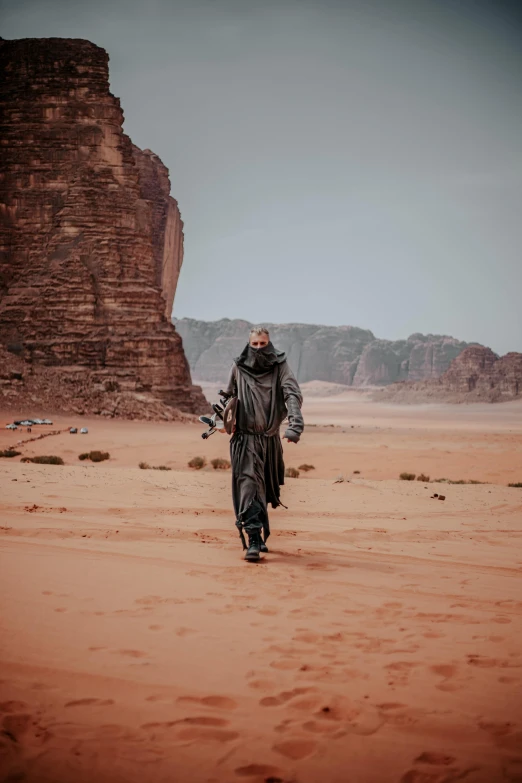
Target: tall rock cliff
point(91, 242)
point(336, 354)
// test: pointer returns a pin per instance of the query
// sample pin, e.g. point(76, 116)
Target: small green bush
point(95, 456)
point(45, 460)
point(161, 467)
point(143, 465)
point(292, 473)
point(356, 472)
point(306, 467)
point(10, 453)
point(197, 463)
point(423, 477)
point(407, 476)
point(220, 464)
point(518, 484)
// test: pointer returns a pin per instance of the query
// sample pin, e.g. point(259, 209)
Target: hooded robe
point(267, 394)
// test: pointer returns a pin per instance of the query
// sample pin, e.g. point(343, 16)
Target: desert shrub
point(45, 460)
point(459, 481)
point(356, 472)
point(423, 477)
point(197, 463)
point(220, 464)
point(160, 467)
point(95, 456)
point(10, 453)
point(292, 473)
point(99, 456)
point(407, 476)
point(518, 484)
point(143, 465)
point(306, 467)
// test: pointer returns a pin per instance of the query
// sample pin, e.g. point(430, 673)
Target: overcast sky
point(335, 161)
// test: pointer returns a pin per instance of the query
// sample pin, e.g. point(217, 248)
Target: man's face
point(259, 340)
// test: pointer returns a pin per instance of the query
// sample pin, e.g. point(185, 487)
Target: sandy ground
point(380, 640)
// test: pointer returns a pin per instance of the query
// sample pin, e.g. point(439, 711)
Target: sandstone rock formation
point(476, 375)
point(342, 354)
point(34, 390)
point(90, 241)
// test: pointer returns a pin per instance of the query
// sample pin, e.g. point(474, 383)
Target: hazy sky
point(361, 159)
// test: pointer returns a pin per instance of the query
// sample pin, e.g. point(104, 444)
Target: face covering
point(259, 360)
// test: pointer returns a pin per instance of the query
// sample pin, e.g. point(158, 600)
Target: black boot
point(262, 546)
point(254, 541)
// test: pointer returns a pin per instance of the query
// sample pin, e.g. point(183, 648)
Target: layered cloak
point(267, 394)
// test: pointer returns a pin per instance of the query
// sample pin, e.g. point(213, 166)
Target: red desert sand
point(379, 641)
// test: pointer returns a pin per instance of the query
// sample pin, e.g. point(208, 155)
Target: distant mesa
point(476, 375)
point(91, 242)
point(343, 355)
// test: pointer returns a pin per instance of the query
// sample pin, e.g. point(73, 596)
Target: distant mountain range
point(336, 354)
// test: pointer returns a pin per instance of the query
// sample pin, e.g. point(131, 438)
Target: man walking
point(267, 393)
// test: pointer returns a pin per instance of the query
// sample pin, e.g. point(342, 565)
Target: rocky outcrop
point(476, 375)
point(90, 240)
point(34, 390)
point(480, 372)
point(342, 354)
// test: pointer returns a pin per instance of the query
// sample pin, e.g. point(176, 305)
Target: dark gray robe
point(266, 397)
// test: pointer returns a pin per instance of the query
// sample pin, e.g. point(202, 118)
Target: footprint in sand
point(217, 702)
point(484, 662)
point(283, 697)
point(349, 716)
point(262, 685)
point(437, 759)
point(503, 734)
point(447, 671)
point(429, 775)
point(16, 724)
point(267, 772)
point(203, 720)
point(208, 735)
point(89, 703)
point(399, 672)
point(295, 749)
point(285, 664)
point(13, 706)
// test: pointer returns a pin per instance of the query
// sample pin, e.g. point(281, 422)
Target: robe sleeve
point(231, 387)
point(293, 401)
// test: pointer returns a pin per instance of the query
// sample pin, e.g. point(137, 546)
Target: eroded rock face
point(480, 371)
point(90, 241)
point(476, 375)
point(342, 354)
